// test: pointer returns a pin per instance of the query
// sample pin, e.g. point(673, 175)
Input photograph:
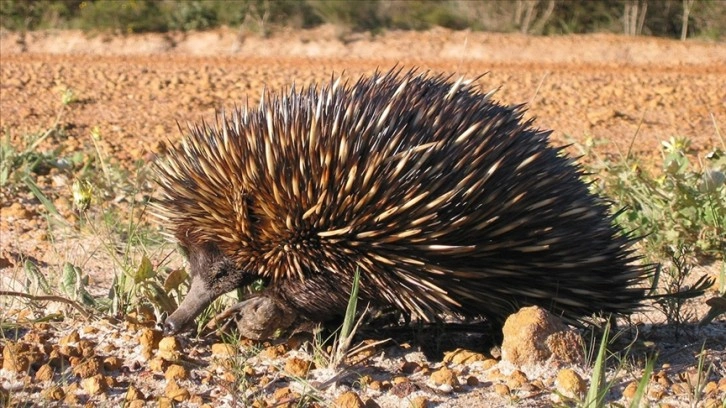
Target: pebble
point(570, 384)
point(348, 399)
point(462, 356)
point(133, 393)
point(176, 393)
point(297, 367)
point(176, 372)
point(444, 376)
point(94, 385)
point(501, 389)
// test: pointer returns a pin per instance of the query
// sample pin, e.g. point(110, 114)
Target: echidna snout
point(212, 275)
point(197, 299)
point(447, 202)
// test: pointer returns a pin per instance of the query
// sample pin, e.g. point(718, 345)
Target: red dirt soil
point(135, 89)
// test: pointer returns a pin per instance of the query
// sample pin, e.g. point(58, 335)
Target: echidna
point(447, 202)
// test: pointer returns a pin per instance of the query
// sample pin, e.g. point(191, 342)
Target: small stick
point(50, 298)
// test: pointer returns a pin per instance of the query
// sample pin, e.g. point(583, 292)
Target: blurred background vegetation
point(705, 19)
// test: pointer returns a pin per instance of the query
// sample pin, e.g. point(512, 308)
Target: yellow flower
point(82, 194)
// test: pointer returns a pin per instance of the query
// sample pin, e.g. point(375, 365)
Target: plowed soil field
point(125, 97)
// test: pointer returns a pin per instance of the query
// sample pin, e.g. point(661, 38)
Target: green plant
point(73, 284)
point(195, 15)
point(34, 278)
point(704, 19)
point(356, 15)
point(145, 285)
point(241, 389)
point(123, 16)
point(332, 351)
point(18, 164)
point(680, 212)
point(118, 228)
point(37, 14)
point(683, 205)
point(698, 383)
point(599, 386)
point(643, 383)
point(597, 391)
point(126, 241)
point(109, 203)
point(423, 15)
point(676, 272)
point(342, 344)
point(339, 342)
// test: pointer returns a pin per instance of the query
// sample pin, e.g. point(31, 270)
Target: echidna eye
point(221, 269)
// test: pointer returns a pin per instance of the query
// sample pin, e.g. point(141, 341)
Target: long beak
point(198, 298)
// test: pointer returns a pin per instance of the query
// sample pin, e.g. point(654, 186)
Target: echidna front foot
point(258, 318)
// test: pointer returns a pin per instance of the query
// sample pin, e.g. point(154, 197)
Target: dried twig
point(49, 298)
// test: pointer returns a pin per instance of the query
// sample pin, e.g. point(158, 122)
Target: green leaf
point(596, 392)
point(175, 279)
point(69, 278)
point(35, 277)
point(73, 284)
point(40, 196)
point(145, 271)
point(643, 383)
point(85, 297)
point(349, 319)
point(672, 235)
point(159, 297)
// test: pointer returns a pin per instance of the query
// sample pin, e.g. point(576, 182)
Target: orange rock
point(87, 368)
point(44, 373)
point(461, 356)
point(72, 338)
point(176, 393)
point(94, 385)
point(133, 393)
point(53, 392)
point(348, 399)
point(297, 367)
point(176, 372)
point(444, 377)
point(570, 384)
point(501, 389)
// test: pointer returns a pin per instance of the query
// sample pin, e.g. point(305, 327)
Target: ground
point(132, 92)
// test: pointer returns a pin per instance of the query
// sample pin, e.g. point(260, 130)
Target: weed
point(18, 164)
point(599, 387)
point(340, 341)
point(643, 383)
point(35, 280)
point(597, 391)
point(697, 382)
point(686, 206)
point(680, 212)
point(678, 271)
point(241, 389)
point(73, 284)
point(108, 204)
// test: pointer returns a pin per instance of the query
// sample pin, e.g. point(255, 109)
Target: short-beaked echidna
point(447, 202)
